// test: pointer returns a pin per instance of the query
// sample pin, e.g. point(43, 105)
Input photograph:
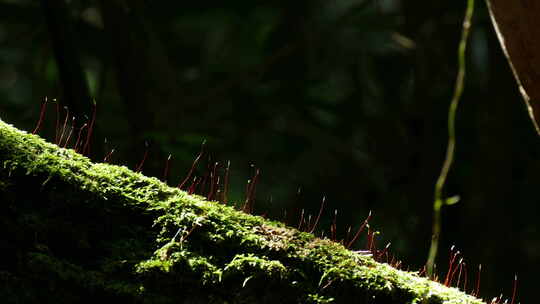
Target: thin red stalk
point(217, 182)
point(368, 240)
point(450, 263)
point(465, 277)
point(384, 251)
point(250, 195)
point(57, 127)
point(454, 270)
point(193, 185)
point(139, 167)
point(477, 289)
point(359, 231)
point(41, 116)
point(166, 170)
point(422, 271)
point(514, 289)
point(181, 185)
point(304, 223)
point(246, 201)
point(387, 256)
point(328, 284)
point(333, 227)
point(207, 176)
point(70, 131)
point(183, 238)
point(213, 176)
point(226, 183)
point(308, 222)
point(449, 274)
point(347, 237)
point(76, 147)
point(63, 127)
point(371, 240)
point(318, 216)
point(218, 190)
point(459, 273)
point(86, 148)
point(108, 156)
point(301, 220)
point(105, 148)
point(393, 260)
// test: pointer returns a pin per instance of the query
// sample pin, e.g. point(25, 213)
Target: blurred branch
point(439, 201)
point(74, 84)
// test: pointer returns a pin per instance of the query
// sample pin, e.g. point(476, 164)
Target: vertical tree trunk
point(518, 28)
point(75, 87)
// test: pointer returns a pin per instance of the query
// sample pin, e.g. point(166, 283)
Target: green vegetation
point(77, 231)
point(346, 99)
point(439, 201)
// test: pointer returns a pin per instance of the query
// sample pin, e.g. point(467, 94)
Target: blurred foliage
point(345, 99)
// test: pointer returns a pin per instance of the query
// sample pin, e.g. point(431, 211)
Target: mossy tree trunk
point(76, 231)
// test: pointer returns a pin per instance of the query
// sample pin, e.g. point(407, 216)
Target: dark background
point(344, 99)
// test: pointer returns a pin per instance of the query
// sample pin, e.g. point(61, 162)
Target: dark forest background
point(345, 99)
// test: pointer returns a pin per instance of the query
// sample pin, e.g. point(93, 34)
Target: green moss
point(106, 231)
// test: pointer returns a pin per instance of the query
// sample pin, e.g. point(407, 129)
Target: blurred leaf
point(452, 200)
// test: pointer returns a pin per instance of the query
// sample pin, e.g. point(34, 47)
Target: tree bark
point(518, 29)
point(80, 232)
point(75, 87)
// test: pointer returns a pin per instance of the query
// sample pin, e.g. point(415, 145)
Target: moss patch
point(80, 231)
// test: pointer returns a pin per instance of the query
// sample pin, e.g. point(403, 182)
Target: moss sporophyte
point(79, 231)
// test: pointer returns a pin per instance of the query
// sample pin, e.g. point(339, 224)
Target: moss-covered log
point(73, 231)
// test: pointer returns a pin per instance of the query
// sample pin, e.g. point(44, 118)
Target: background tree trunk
point(518, 28)
point(76, 95)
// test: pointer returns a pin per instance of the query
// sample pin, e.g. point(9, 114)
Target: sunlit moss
point(162, 245)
